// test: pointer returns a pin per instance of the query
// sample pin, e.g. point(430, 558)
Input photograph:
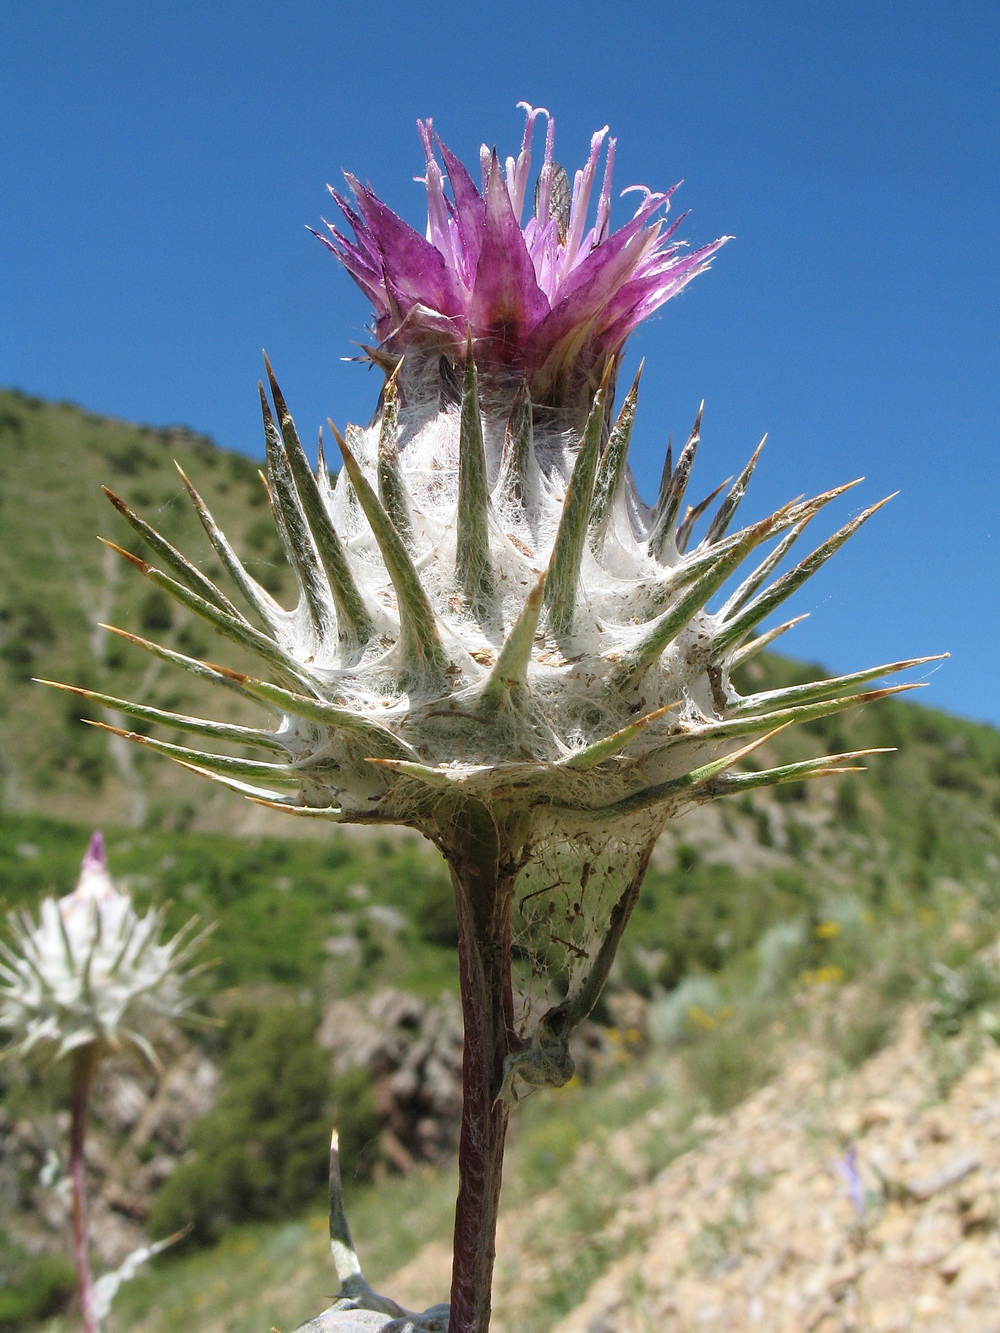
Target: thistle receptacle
point(497, 641)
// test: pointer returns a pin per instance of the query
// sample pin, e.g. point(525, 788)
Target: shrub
point(261, 1152)
point(32, 1286)
point(782, 953)
point(959, 992)
point(728, 1063)
point(670, 1018)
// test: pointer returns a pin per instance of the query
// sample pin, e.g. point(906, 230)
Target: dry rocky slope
point(755, 1228)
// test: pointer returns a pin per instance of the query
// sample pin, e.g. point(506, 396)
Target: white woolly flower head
point(495, 640)
point(91, 969)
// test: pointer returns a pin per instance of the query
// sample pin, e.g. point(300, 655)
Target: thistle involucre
point(496, 640)
point(91, 971)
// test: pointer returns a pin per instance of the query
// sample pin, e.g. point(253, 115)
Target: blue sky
point(160, 162)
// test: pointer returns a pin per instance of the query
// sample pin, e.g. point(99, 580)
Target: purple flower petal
point(416, 266)
point(506, 300)
point(591, 285)
point(96, 857)
point(470, 210)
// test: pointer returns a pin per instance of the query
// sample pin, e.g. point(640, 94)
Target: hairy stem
point(85, 1062)
point(483, 861)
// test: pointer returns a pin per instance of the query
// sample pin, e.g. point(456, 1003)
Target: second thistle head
point(91, 970)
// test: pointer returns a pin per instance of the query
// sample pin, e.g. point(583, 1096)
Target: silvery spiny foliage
point(91, 970)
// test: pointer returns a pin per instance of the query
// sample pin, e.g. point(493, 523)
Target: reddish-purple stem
point(483, 893)
point(85, 1062)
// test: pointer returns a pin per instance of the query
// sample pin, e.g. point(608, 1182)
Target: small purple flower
point(847, 1166)
point(553, 299)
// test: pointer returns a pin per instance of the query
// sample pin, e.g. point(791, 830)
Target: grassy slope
point(57, 582)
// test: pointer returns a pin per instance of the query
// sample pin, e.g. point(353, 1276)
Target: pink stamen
point(581, 201)
point(543, 208)
point(604, 202)
point(517, 172)
point(439, 230)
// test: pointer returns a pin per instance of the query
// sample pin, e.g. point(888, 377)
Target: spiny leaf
point(662, 792)
point(698, 775)
point(197, 726)
point(424, 659)
point(752, 648)
point(827, 766)
point(294, 530)
point(671, 496)
point(212, 763)
point(663, 490)
point(664, 630)
point(193, 577)
point(278, 800)
point(803, 712)
point(322, 471)
point(800, 509)
point(354, 624)
point(473, 565)
point(441, 779)
point(205, 670)
point(691, 517)
point(391, 484)
point(509, 675)
point(705, 557)
point(593, 754)
point(331, 812)
point(800, 694)
point(795, 516)
point(238, 630)
point(567, 551)
point(516, 483)
point(690, 568)
point(763, 571)
point(611, 469)
point(734, 630)
point(720, 523)
point(261, 600)
point(318, 710)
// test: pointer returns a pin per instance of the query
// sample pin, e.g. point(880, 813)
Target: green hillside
point(57, 584)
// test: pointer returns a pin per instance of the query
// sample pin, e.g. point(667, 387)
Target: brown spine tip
point(116, 500)
point(126, 555)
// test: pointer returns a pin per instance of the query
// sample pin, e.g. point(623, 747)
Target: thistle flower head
point(493, 631)
point(550, 296)
point(91, 969)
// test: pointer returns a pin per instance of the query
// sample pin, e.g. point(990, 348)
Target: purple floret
point(550, 299)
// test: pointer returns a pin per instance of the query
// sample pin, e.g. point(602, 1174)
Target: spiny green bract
point(487, 610)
